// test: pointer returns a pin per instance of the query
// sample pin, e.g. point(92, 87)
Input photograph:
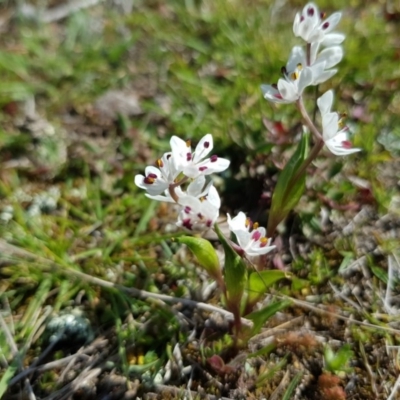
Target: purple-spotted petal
point(203, 148)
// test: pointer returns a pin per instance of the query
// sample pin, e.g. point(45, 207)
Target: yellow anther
point(159, 163)
point(188, 143)
point(255, 225)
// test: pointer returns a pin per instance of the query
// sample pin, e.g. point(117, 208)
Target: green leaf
point(259, 317)
point(299, 284)
point(260, 281)
point(8, 375)
point(270, 373)
point(379, 273)
point(15, 91)
point(287, 192)
point(205, 254)
point(292, 386)
point(335, 362)
point(234, 273)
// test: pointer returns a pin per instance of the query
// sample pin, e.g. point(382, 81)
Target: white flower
point(335, 137)
point(193, 164)
point(200, 209)
point(328, 58)
point(311, 27)
point(157, 180)
point(253, 242)
point(296, 78)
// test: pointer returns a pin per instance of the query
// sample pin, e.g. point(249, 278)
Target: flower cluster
point(200, 202)
point(181, 175)
point(311, 67)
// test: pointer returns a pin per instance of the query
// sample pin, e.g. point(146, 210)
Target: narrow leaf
point(259, 317)
point(287, 193)
point(8, 375)
point(260, 281)
point(292, 386)
point(234, 272)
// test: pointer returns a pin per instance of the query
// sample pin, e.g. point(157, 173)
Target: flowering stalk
point(303, 69)
point(183, 177)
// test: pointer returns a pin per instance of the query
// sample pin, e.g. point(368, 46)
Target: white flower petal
point(324, 76)
point(335, 145)
point(330, 23)
point(243, 238)
point(330, 124)
point(331, 39)
point(196, 187)
point(331, 56)
point(325, 102)
point(296, 24)
point(297, 56)
point(165, 198)
point(288, 90)
point(213, 197)
point(238, 223)
point(271, 93)
point(306, 79)
point(310, 22)
point(203, 148)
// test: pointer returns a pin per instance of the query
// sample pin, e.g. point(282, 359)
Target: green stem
point(319, 144)
point(311, 157)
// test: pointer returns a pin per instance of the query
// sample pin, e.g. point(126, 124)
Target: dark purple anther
point(214, 158)
point(188, 156)
point(206, 145)
point(310, 11)
point(187, 210)
point(187, 223)
point(325, 25)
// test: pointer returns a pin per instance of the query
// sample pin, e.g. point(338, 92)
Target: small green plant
point(338, 362)
point(182, 176)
